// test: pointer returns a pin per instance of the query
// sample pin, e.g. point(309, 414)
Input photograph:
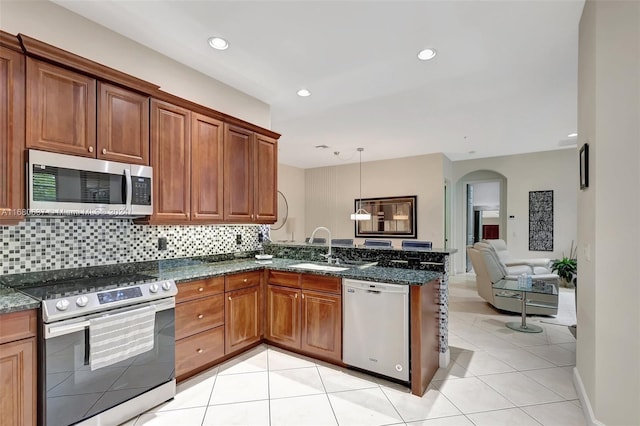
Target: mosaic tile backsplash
point(40, 244)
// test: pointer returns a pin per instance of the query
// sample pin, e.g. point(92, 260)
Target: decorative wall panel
point(541, 220)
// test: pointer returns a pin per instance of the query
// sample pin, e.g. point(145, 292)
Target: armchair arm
point(528, 262)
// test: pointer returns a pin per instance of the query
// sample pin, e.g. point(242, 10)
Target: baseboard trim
point(445, 358)
point(584, 400)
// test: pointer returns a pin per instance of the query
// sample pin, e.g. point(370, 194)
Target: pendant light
point(360, 214)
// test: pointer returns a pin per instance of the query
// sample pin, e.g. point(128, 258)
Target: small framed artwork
point(584, 166)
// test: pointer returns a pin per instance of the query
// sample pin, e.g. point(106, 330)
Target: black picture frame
point(584, 166)
point(391, 217)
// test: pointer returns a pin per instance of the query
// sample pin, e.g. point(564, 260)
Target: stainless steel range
point(107, 349)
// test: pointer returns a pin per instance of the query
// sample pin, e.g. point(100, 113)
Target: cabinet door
point(265, 161)
point(242, 319)
point(61, 110)
point(283, 316)
point(12, 93)
point(123, 125)
point(322, 324)
point(206, 169)
point(238, 174)
point(171, 161)
point(18, 383)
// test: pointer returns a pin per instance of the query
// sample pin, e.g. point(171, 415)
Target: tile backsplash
point(40, 244)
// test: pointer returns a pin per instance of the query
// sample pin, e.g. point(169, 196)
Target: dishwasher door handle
point(374, 291)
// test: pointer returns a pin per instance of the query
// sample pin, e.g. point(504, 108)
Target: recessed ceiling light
point(472, 152)
point(572, 135)
point(426, 54)
point(304, 93)
point(218, 43)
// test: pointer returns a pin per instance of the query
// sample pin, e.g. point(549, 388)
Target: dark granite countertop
point(12, 301)
point(183, 270)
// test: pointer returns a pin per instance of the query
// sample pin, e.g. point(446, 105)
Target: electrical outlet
point(260, 237)
point(238, 239)
point(162, 243)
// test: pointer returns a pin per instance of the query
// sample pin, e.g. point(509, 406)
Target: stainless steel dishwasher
point(376, 327)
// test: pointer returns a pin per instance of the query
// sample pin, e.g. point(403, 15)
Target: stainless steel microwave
point(68, 185)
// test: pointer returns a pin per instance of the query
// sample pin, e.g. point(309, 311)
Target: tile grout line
point(215, 380)
point(327, 396)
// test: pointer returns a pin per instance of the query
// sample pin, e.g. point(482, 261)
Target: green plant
point(567, 267)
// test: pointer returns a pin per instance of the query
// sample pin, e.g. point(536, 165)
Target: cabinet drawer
point(201, 288)
point(286, 279)
point(17, 325)
point(242, 280)
point(322, 283)
point(198, 350)
point(199, 315)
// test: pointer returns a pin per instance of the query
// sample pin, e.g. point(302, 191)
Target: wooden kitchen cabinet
point(207, 161)
point(71, 113)
point(244, 313)
point(61, 110)
point(18, 370)
point(171, 162)
point(123, 125)
point(304, 312)
point(199, 329)
point(251, 167)
point(12, 136)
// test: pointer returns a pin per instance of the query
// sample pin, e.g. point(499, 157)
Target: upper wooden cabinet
point(123, 125)
point(206, 169)
point(12, 113)
point(250, 176)
point(171, 162)
point(66, 113)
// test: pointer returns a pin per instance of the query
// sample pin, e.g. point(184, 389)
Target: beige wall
point(291, 184)
point(330, 193)
point(550, 170)
point(608, 345)
point(59, 27)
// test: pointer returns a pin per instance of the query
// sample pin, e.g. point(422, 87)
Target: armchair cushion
point(500, 246)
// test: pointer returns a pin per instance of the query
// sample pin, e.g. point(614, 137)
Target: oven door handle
point(61, 330)
point(79, 324)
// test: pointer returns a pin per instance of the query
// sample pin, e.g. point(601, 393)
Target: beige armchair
point(533, 266)
point(489, 271)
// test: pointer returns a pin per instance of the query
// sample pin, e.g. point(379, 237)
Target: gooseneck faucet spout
point(313, 234)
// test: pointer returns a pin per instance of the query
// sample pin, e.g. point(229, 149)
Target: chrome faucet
point(313, 234)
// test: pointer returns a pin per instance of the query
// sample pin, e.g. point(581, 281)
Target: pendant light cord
point(360, 201)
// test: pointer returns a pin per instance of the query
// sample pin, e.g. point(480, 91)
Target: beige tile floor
point(497, 376)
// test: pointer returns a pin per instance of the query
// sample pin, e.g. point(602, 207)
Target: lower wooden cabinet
point(199, 315)
point(305, 319)
point(18, 370)
point(242, 318)
point(195, 352)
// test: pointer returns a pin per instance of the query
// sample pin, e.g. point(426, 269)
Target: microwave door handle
point(127, 176)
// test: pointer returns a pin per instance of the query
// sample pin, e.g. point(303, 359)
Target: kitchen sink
point(357, 264)
point(316, 267)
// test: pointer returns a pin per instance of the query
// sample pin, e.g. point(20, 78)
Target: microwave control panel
point(141, 191)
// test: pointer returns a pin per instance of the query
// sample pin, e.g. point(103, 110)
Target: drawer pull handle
point(90, 149)
point(245, 280)
point(200, 316)
point(201, 289)
point(200, 351)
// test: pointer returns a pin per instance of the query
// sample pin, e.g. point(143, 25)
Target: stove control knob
point(62, 305)
point(166, 286)
point(153, 288)
point(82, 301)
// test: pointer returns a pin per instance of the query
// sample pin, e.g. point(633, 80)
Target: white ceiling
point(504, 80)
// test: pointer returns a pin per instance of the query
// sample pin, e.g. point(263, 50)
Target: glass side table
point(537, 286)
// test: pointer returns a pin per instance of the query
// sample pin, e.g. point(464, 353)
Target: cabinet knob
point(90, 149)
point(199, 351)
point(303, 296)
point(104, 150)
point(229, 298)
point(245, 280)
point(295, 295)
point(200, 316)
point(201, 289)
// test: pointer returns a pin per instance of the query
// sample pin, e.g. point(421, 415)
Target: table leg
point(522, 325)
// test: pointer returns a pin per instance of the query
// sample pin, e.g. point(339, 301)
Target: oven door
point(71, 392)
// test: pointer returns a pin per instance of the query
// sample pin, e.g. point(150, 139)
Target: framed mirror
point(391, 217)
